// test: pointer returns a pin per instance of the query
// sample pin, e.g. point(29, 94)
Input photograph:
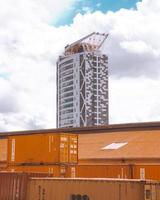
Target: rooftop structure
point(121, 146)
point(128, 127)
point(89, 43)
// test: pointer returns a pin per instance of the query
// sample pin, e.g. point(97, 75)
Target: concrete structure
point(82, 83)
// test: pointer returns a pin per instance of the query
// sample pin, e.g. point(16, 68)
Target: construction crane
point(89, 43)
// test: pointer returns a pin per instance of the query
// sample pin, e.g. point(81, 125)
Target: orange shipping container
point(53, 170)
point(148, 171)
point(137, 171)
point(103, 171)
point(92, 189)
point(41, 148)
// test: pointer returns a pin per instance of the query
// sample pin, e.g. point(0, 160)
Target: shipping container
point(130, 171)
point(148, 171)
point(13, 186)
point(53, 170)
point(92, 189)
point(91, 171)
point(42, 148)
point(104, 171)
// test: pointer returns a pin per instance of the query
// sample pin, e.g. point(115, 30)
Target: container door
point(64, 148)
point(73, 149)
point(63, 171)
point(131, 171)
point(142, 173)
point(73, 172)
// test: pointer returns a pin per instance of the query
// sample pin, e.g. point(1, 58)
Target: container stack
point(54, 153)
point(115, 151)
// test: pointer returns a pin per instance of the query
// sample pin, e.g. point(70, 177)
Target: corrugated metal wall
point(13, 186)
point(92, 189)
point(136, 171)
point(42, 148)
point(21, 186)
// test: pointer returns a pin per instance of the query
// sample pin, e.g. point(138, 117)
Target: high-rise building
point(82, 83)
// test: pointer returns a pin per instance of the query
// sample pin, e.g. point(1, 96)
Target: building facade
point(82, 85)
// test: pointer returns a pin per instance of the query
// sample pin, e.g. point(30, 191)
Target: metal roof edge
point(122, 159)
point(91, 129)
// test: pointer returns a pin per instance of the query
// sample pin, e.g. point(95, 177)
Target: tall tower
point(82, 83)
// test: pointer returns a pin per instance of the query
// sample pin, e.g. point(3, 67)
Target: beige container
point(92, 189)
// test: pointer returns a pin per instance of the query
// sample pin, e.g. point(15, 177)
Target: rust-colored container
point(13, 186)
point(103, 171)
point(3, 166)
point(41, 148)
point(92, 189)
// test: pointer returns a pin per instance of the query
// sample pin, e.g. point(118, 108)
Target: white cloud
point(30, 45)
point(148, 7)
point(32, 11)
point(134, 100)
point(137, 47)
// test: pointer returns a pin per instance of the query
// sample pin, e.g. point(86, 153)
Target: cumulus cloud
point(134, 100)
point(30, 45)
point(133, 39)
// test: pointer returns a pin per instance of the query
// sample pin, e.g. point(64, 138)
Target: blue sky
point(82, 6)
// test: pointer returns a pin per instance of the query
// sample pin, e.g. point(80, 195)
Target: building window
point(67, 62)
